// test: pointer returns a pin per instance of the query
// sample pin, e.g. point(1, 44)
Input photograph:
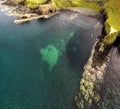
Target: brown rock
point(13, 2)
point(46, 9)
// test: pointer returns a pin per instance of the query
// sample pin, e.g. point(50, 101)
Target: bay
point(41, 62)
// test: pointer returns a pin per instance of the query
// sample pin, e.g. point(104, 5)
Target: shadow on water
point(75, 48)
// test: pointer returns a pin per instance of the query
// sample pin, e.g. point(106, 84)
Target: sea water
point(41, 62)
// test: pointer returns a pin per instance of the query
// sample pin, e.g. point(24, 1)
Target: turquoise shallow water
point(28, 79)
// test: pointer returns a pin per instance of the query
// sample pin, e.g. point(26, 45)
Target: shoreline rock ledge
point(26, 14)
point(45, 10)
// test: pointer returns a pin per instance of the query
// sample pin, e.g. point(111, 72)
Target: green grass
point(33, 3)
point(61, 3)
point(113, 10)
point(76, 3)
point(85, 4)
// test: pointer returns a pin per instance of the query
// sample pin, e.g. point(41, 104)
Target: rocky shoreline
point(91, 84)
point(85, 12)
point(26, 14)
point(28, 17)
point(93, 77)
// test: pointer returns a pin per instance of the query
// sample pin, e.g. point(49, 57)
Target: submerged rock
point(50, 54)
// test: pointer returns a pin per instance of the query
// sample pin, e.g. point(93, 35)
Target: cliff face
point(112, 9)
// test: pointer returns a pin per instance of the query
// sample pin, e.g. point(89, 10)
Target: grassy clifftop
point(112, 9)
point(33, 3)
point(76, 3)
point(65, 3)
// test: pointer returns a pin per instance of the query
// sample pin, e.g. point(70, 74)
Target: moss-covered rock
point(87, 94)
point(111, 34)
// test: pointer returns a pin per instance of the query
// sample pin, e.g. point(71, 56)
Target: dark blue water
point(31, 79)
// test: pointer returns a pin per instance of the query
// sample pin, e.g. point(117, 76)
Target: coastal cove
point(29, 78)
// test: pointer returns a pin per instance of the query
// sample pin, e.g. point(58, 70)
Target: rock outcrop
point(14, 2)
point(26, 14)
point(93, 77)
